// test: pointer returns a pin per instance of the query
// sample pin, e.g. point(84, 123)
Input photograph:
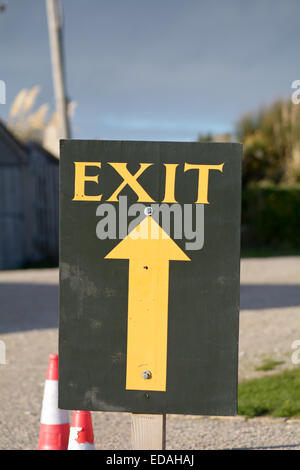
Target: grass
point(269, 364)
point(275, 395)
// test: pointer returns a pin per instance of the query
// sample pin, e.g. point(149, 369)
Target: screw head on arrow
point(147, 374)
point(148, 211)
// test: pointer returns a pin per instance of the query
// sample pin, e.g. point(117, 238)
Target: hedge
point(271, 216)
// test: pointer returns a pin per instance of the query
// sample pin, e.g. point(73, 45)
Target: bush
point(271, 216)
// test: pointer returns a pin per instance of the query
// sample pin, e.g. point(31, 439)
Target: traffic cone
point(81, 432)
point(55, 427)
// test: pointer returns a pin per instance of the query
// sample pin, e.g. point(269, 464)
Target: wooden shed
point(28, 203)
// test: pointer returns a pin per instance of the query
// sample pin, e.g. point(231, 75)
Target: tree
point(271, 139)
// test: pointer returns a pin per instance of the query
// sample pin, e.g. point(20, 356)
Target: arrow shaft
point(147, 329)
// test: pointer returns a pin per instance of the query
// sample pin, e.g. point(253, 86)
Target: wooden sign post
point(148, 432)
point(149, 280)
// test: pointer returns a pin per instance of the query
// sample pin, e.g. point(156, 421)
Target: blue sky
point(159, 69)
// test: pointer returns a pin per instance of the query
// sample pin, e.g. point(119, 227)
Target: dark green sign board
point(149, 276)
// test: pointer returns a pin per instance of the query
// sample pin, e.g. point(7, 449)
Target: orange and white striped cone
point(54, 427)
point(81, 432)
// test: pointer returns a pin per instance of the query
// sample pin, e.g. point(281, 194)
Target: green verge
point(269, 364)
point(274, 395)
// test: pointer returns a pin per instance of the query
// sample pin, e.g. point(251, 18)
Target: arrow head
point(148, 241)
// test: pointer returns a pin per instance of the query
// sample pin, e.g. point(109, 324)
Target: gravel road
point(269, 323)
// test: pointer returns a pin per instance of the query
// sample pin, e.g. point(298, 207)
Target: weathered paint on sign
point(149, 314)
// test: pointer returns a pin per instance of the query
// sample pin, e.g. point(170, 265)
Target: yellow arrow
point(149, 250)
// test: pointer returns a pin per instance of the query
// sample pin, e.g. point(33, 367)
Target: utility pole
point(54, 13)
point(3, 7)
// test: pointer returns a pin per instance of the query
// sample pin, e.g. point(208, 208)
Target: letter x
point(130, 180)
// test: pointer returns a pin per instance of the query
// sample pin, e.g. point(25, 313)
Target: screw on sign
point(141, 310)
point(147, 374)
point(148, 211)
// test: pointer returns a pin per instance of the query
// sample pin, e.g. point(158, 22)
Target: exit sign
point(149, 276)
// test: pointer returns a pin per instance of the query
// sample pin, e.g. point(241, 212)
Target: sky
point(155, 69)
